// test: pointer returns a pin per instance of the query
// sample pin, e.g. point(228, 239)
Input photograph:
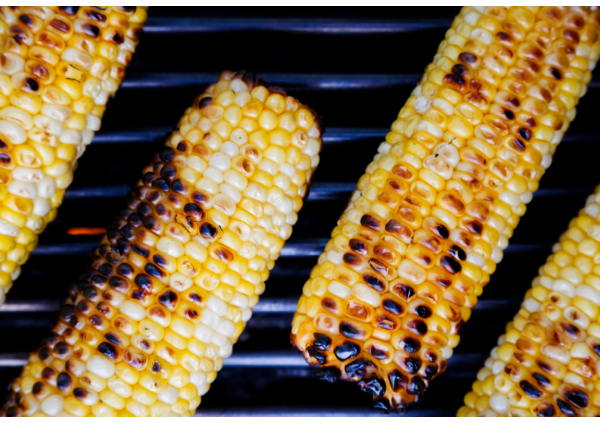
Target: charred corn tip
point(147, 326)
point(58, 68)
point(546, 364)
point(438, 204)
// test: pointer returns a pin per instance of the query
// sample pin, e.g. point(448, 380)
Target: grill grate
point(355, 67)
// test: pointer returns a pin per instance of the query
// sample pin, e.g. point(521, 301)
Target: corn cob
point(146, 328)
point(546, 364)
point(438, 204)
point(58, 68)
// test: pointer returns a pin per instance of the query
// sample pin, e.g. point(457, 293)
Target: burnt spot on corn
point(544, 409)
point(108, 350)
point(423, 311)
point(417, 386)
point(90, 30)
point(457, 252)
point(392, 306)
point(576, 397)
point(384, 322)
point(397, 380)
point(411, 345)
point(346, 351)
point(351, 259)
point(349, 330)
point(329, 374)
point(555, 74)
point(455, 80)
point(565, 408)
point(542, 380)
point(168, 299)
point(156, 367)
point(140, 250)
point(467, 58)
point(69, 10)
point(430, 372)
point(112, 339)
point(319, 357)
point(417, 326)
point(208, 231)
point(358, 368)
point(370, 222)
point(374, 282)
point(67, 311)
point(450, 265)
point(373, 386)
point(530, 390)
point(154, 271)
point(404, 291)
point(5, 158)
point(95, 16)
point(321, 342)
point(63, 382)
point(412, 365)
point(206, 101)
point(358, 246)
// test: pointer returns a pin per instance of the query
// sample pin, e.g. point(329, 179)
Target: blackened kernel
point(418, 326)
point(404, 291)
point(411, 345)
point(597, 349)
point(37, 388)
point(118, 38)
point(565, 408)
point(168, 299)
point(384, 322)
point(417, 386)
point(576, 397)
point(518, 144)
point(125, 269)
point(69, 10)
point(351, 259)
point(544, 410)
point(140, 250)
point(181, 146)
point(43, 353)
point(144, 209)
point(195, 298)
point(108, 350)
point(160, 261)
point(118, 284)
point(321, 342)
point(143, 281)
point(358, 246)
point(5, 158)
point(128, 9)
point(105, 269)
point(3, 145)
point(32, 84)
point(208, 231)
point(321, 359)
point(413, 365)
point(48, 373)
point(450, 265)
point(556, 73)
point(147, 178)
point(90, 30)
point(138, 294)
point(349, 331)
point(442, 231)
point(457, 252)
point(90, 293)
point(61, 348)
point(382, 404)
point(373, 386)
point(392, 306)
point(525, 133)
point(63, 381)
point(67, 311)
point(460, 70)
point(370, 222)
point(161, 184)
point(329, 374)
point(206, 101)
point(397, 380)
point(374, 283)
point(80, 393)
point(194, 211)
point(168, 172)
point(467, 58)
point(423, 311)
point(178, 186)
point(95, 320)
point(530, 390)
point(167, 154)
point(103, 308)
point(346, 351)
point(357, 368)
point(430, 371)
point(152, 270)
point(542, 380)
point(82, 307)
point(454, 80)
point(156, 367)
point(509, 114)
point(112, 339)
point(95, 16)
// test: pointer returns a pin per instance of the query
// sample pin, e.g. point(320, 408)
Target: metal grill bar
point(265, 306)
point(331, 136)
point(301, 81)
point(316, 26)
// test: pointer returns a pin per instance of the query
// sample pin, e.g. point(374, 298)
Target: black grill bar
point(316, 26)
point(331, 136)
point(290, 81)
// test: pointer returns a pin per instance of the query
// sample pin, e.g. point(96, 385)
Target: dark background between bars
point(356, 67)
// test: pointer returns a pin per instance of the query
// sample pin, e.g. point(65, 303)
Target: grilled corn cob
point(58, 68)
point(438, 204)
point(547, 362)
point(146, 328)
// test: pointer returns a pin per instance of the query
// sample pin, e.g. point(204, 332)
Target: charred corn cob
point(546, 364)
point(147, 326)
point(438, 204)
point(58, 68)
